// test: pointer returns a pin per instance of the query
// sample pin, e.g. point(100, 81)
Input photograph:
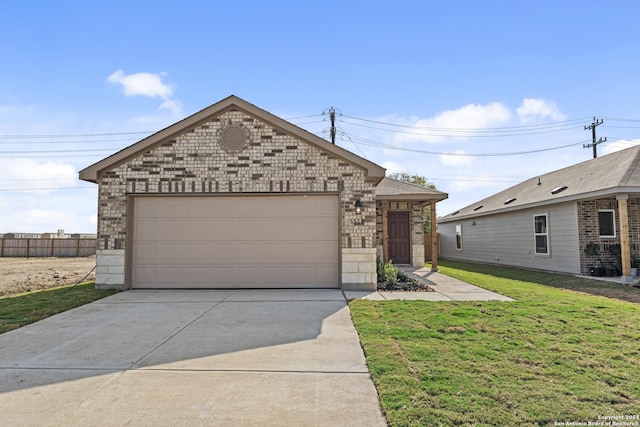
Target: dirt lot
point(29, 274)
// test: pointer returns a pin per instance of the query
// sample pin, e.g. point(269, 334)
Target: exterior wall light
point(358, 205)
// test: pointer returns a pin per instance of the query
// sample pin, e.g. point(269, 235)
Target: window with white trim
point(541, 234)
point(459, 237)
point(607, 223)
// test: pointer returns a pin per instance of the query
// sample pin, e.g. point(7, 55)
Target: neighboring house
point(547, 222)
point(234, 196)
point(22, 236)
point(59, 235)
point(83, 236)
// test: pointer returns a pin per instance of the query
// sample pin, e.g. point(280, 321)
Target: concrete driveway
point(247, 357)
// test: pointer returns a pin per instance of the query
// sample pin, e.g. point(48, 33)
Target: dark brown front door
point(399, 237)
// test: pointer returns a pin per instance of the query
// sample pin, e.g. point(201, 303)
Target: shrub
point(387, 272)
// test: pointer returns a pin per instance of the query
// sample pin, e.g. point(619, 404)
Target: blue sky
point(467, 78)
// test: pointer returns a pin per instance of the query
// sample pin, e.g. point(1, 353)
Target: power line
point(392, 147)
point(486, 129)
point(68, 142)
point(46, 189)
point(470, 133)
point(73, 135)
point(84, 150)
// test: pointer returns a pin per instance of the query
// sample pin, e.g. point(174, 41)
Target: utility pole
point(333, 131)
point(332, 117)
point(594, 142)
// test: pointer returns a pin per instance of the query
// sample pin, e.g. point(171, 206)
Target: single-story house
point(235, 197)
point(569, 220)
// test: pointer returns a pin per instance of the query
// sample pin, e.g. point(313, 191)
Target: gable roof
point(393, 189)
point(614, 173)
point(92, 173)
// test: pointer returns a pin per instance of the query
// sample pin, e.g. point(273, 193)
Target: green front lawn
point(22, 309)
point(554, 355)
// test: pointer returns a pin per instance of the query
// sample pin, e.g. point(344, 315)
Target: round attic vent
point(234, 138)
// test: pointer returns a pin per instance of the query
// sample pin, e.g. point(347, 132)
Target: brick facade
point(273, 161)
point(588, 230)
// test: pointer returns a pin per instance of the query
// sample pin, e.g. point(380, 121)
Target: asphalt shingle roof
point(390, 188)
point(619, 171)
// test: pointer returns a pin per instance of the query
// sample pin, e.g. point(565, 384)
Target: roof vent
point(455, 213)
point(559, 189)
point(478, 207)
point(510, 200)
point(234, 138)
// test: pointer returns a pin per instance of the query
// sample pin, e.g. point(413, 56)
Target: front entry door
point(399, 237)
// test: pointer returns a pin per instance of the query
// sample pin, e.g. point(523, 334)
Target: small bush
point(387, 272)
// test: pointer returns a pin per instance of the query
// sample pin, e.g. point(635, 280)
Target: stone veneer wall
point(273, 162)
point(588, 230)
point(417, 229)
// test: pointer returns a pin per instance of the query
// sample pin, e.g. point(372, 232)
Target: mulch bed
point(411, 285)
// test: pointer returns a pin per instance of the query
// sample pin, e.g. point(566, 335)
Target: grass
point(22, 309)
point(554, 355)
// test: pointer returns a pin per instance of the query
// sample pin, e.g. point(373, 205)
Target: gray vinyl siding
point(508, 239)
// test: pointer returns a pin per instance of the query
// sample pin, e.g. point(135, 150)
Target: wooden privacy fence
point(47, 247)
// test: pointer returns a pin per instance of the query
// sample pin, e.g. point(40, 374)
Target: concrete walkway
point(160, 358)
point(446, 289)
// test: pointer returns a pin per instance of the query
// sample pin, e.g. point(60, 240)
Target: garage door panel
point(235, 241)
point(197, 277)
point(220, 207)
point(169, 253)
point(325, 252)
point(323, 273)
point(299, 229)
point(170, 277)
point(248, 231)
point(248, 207)
point(273, 229)
point(220, 252)
point(222, 229)
point(146, 253)
point(197, 229)
point(196, 253)
point(273, 252)
point(144, 276)
point(145, 229)
point(246, 252)
point(274, 275)
point(198, 207)
point(169, 230)
point(171, 207)
point(300, 252)
point(322, 208)
point(146, 207)
point(324, 229)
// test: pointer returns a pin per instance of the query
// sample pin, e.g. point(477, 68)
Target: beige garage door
point(235, 242)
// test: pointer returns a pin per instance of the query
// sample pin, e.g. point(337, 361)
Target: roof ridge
point(631, 168)
point(410, 183)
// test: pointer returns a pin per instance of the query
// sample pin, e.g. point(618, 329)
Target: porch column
point(625, 245)
point(434, 237)
point(385, 232)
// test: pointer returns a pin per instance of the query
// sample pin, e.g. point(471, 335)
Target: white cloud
point(393, 167)
point(536, 109)
point(144, 84)
point(454, 160)
point(459, 123)
point(619, 145)
point(147, 84)
point(28, 174)
point(465, 184)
